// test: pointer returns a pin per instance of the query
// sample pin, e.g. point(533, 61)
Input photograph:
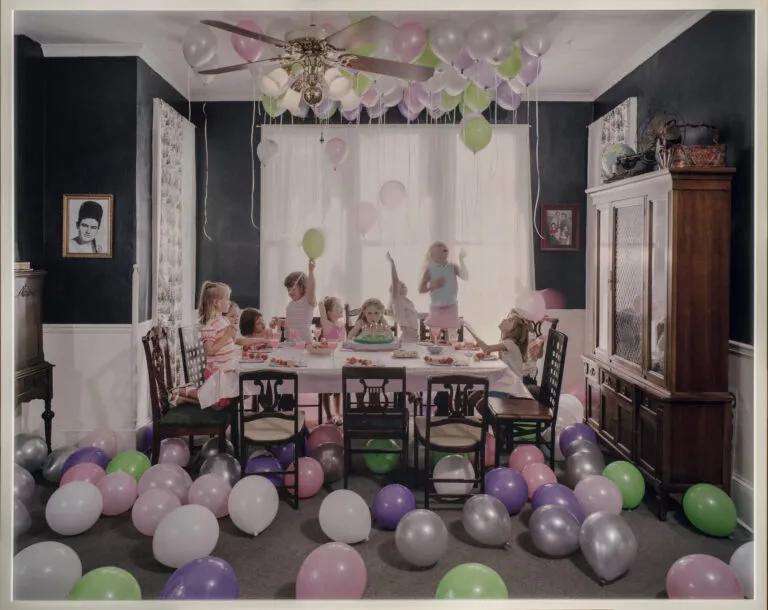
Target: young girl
point(440, 282)
point(403, 308)
point(371, 316)
point(298, 312)
point(331, 313)
point(232, 314)
point(253, 328)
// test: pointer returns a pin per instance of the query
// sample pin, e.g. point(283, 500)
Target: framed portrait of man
point(87, 231)
point(560, 227)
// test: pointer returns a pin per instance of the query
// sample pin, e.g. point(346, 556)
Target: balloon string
point(538, 168)
point(253, 158)
point(205, 195)
point(189, 94)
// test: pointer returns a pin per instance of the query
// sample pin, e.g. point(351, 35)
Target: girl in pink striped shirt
point(217, 333)
point(298, 312)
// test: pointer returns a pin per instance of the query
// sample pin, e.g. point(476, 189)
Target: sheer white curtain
point(481, 203)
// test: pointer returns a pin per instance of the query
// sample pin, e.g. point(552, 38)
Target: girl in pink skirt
point(440, 282)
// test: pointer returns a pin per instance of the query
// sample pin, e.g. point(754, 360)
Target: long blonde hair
point(518, 334)
point(368, 303)
point(209, 292)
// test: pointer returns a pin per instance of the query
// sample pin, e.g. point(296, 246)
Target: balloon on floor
point(202, 578)
point(30, 451)
point(508, 486)
point(119, 491)
point(471, 581)
point(74, 508)
point(710, 510)
point(454, 468)
point(743, 565)
point(330, 456)
point(186, 533)
point(598, 493)
point(253, 504)
point(629, 480)
point(608, 544)
point(554, 530)
point(150, 508)
point(45, 570)
point(381, 463)
point(702, 577)
point(212, 492)
point(132, 462)
point(486, 520)
point(332, 571)
point(345, 517)
point(421, 538)
point(391, 504)
point(106, 584)
point(310, 477)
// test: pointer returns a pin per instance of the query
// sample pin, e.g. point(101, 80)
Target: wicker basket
point(698, 155)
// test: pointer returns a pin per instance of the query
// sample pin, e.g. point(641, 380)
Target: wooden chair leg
point(156, 439)
point(347, 460)
point(428, 474)
point(498, 442)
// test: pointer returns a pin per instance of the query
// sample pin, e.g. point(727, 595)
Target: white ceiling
point(591, 51)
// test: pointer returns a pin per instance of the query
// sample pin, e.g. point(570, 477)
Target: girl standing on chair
point(440, 282)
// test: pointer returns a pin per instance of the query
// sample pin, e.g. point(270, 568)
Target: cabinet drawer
point(649, 436)
point(591, 371)
point(618, 385)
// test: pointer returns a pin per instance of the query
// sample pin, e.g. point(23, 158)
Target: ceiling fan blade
point(387, 67)
point(361, 33)
point(237, 67)
point(245, 33)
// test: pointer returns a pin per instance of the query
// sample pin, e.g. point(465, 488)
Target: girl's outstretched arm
point(395, 279)
point(311, 297)
point(461, 268)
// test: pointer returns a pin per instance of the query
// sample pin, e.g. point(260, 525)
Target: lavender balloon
point(351, 115)
point(407, 114)
point(530, 69)
point(464, 61)
point(391, 504)
point(576, 432)
point(509, 487)
point(483, 75)
point(284, 453)
point(555, 494)
point(202, 578)
point(506, 97)
point(84, 455)
point(265, 463)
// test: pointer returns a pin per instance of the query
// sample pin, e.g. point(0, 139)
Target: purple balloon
point(576, 432)
point(506, 97)
point(464, 61)
point(530, 69)
point(351, 115)
point(84, 455)
point(508, 486)
point(407, 114)
point(202, 578)
point(284, 454)
point(391, 504)
point(265, 463)
point(555, 494)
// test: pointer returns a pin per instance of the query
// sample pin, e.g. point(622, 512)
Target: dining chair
point(272, 417)
point(454, 427)
point(374, 408)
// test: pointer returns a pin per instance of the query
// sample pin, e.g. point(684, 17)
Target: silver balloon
point(21, 518)
point(54, 462)
point(211, 448)
point(608, 545)
point(30, 451)
point(198, 45)
point(554, 530)
point(581, 465)
point(331, 458)
point(23, 484)
point(258, 453)
point(582, 446)
point(421, 537)
point(487, 520)
point(223, 465)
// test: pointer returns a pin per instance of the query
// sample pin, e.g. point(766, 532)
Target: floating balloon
point(508, 486)
point(336, 151)
point(410, 41)
point(408, 115)
point(30, 451)
point(345, 517)
point(476, 134)
point(249, 49)
point(536, 41)
point(265, 150)
point(186, 533)
point(74, 508)
point(198, 45)
point(253, 504)
point(446, 40)
point(702, 577)
point(202, 578)
point(710, 510)
point(366, 215)
point(529, 70)
point(392, 193)
point(313, 243)
point(45, 570)
point(554, 530)
point(483, 75)
point(505, 47)
point(506, 98)
point(475, 99)
point(332, 571)
point(608, 545)
point(330, 456)
point(510, 68)
point(106, 584)
point(486, 520)
point(482, 39)
point(471, 581)
point(743, 565)
point(421, 538)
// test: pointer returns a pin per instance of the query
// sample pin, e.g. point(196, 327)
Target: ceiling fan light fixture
point(312, 95)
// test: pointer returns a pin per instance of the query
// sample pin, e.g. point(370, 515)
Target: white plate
point(489, 358)
point(253, 361)
point(295, 365)
point(440, 363)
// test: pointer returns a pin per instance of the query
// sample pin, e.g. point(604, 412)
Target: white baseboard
point(741, 385)
point(742, 494)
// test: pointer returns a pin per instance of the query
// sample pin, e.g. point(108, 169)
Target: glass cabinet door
point(659, 242)
point(603, 284)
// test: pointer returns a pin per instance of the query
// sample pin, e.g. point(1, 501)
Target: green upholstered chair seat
point(193, 415)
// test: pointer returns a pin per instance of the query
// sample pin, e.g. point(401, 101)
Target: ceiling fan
point(309, 52)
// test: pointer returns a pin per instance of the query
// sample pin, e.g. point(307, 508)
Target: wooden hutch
point(657, 301)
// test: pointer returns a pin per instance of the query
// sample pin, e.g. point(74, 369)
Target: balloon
point(503, 51)
point(554, 530)
point(325, 433)
point(345, 517)
point(421, 537)
point(536, 475)
point(198, 45)
point(284, 453)
point(581, 465)
point(490, 450)
point(598, 494)
point(509, 487)
point(86, 455)
point(410, 42)
point(265, 150)
point(332, 571)
point(408, 115)
point(249, 49)
point(436, 456)
point(202, 578)
point(576, 432)
point(119, 491)
point(476, 134)
point(224, 466)
point(536, 41)
point(446, 40)
point(280, 27)
point(628, 479)
point(352, 115)
point(336, 151)
point(507, 98)
point(132, 462)
point(482, 39)
point(529, 70)
point(45, 570)
point(150, 508)
point(186, 533)
point(486, 520)
point(331, 459)
point(211, 446)
point(523, 455)
point(530, 305)
point(558, 495)
point(510, 68)
point(174, 451)
point(101, 438)
point(54, 462)
point(178, 470)
point(164, 478)
point(313, 243)
point(702, 577)
point(253, 504)
point(582, 446)
point(464, 61)
point(265, 464)
point(454, 84)
point(483, 75)
point(22, 520)
point(710, 510)
point(30, 451)
point(83, 472)
point(212, 492)
point(608, 545)
point(310, 477)
point(475, 99)
point(743, 565)
point(381, 463)
point(454, 467)
point(391, 504)
point(23, 484)
point(106, 584)
point(366, 216)
point(471, 581)
point(73, 508)
point(555, 300)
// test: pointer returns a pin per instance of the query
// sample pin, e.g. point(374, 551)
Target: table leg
point(48, 415)
point(497, 441)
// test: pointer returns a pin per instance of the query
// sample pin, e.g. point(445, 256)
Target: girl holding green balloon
point(298, 312)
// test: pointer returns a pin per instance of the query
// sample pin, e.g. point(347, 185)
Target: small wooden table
point(36, 383)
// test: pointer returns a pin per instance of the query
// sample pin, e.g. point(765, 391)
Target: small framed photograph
point(560, 227)
point(87, 231)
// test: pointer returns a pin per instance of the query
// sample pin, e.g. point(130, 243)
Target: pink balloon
point(530, 304)
point(410, 42)
point(336, 151)
point(211, 491)
point(597, 493)
point(524, 455)
point(412, 96)
point(332, 571)
point(150, 508)
point(311, 477)
point(164, 478)
point(247, 48)
point(536, 475)
point(552, 298)
point(177, 469)
point(577, 390)
point(490, 450)
point(119, 491)
point(702, 577)
point(326, 433)
point(103, 438)
point(87, 471)
point(174, 451)
point(367, 215)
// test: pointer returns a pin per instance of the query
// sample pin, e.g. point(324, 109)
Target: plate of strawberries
point(353, 361)
point(468, 346)
point(483, 357)
point(440, 360)
point(286, 364)
point(256, 357)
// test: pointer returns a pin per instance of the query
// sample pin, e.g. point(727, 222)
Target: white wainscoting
point(741, 384)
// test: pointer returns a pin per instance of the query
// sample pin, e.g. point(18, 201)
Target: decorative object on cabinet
point(699, 155)
point(656, 379)
point(560, 227)
point(34, 376)
point(87, 227)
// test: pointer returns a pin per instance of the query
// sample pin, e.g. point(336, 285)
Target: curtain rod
point(355, 125)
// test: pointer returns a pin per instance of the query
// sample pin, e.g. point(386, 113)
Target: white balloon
point(536, 42)
point(743, 565)
point(199, 45)
point(482, 38)
point(455, 467)
point(265, 150)
point(454, 82)
point(446, 40)
point(350, 101)
point(74, 508)
point(184, 534)
point(339, 87)
point(572, 405)
point(275, 83)
point(345, 517)
point(253, 504)
point(46, 570)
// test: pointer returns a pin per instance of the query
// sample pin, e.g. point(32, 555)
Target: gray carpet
point(267, 565)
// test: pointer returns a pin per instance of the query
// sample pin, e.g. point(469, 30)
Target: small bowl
point(434, 349)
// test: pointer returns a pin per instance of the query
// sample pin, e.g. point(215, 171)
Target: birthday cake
point(379, 339)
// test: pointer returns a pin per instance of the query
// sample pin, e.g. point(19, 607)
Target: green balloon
point(475, 99)
point(628, 479)
point(428, 58)
point(106, 584)
point(449, 102)
point(313, 243)
point(710, 510)
point(439, 455)
point(472, 581)
point(510, 68)
point(271, 106)
point(476, 133)
point(381, 463)
point(365, 50)
point(134, 463)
